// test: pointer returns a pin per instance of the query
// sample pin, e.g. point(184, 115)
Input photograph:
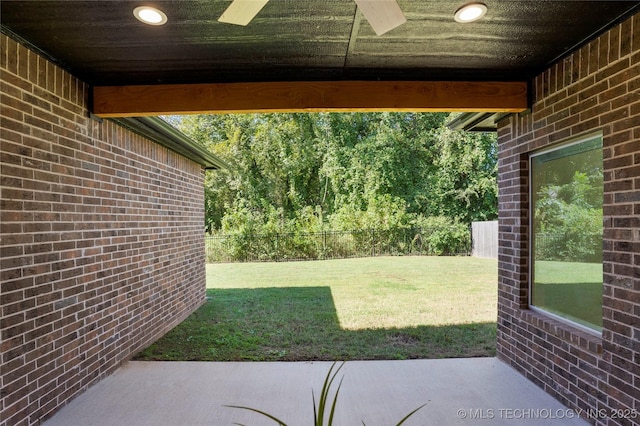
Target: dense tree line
point(567, 204)
point(307, 172)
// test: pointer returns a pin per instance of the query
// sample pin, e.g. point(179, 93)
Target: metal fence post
point(324, 244)
point(373, 245)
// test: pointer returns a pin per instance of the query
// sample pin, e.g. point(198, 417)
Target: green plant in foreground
point(324, 403)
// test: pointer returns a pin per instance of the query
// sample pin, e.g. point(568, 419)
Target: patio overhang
point(306, 56)
point(477, 121)
point(568, 53)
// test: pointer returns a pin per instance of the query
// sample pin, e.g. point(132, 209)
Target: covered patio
point(102, 205)
point(456, 391)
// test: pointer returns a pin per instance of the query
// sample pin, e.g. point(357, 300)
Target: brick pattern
point(101, 238)
point(596, 88)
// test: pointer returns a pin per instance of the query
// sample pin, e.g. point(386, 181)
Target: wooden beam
point(339, 96)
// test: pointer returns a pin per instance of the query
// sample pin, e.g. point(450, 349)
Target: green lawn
point(572, 290)
point(371, 308)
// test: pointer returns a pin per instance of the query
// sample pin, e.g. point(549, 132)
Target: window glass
point(566, 195)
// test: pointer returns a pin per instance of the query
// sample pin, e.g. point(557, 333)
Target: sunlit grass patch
point(372, 308)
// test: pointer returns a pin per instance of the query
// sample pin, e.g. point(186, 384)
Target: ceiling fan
point(383, 15)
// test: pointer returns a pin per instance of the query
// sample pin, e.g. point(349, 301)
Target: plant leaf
point(280, 422)
point(324, 394)
point(315, 414)
point(410, 414)
point(335, 400)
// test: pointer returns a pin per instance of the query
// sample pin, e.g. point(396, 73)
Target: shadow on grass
point(301, 324)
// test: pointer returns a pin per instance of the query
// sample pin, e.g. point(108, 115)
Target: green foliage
point(371, 155)
point(307, 172)
point(382, 212)
point(463, 184)
point(325, 407)
point(444, 236)
point(569, 220)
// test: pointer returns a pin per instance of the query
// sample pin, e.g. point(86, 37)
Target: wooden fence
point(484, 237)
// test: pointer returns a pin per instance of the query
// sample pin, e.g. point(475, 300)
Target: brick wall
point(101, 238)
point(597, 88)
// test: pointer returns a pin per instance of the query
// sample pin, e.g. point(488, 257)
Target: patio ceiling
point(306, 41)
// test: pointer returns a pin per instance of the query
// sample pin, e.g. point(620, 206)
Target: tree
point(568, 219)
point(350, 169)
point(372, 155)
point(464, 182)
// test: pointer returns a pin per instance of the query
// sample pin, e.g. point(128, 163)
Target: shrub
point(444, 236)
point(441, 238)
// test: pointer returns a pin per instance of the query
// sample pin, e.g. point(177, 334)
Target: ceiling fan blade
point(383, 15)
point(241, 12)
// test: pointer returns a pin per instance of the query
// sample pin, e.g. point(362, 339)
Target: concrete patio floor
point(475, 391)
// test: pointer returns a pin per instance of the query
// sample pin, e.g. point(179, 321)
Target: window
point(566, 224)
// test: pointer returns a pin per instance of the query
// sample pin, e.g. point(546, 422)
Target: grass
point(571, 290)
point(371, 308)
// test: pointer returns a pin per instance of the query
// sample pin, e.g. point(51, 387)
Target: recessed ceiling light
point(150, 15)
point(470, 12)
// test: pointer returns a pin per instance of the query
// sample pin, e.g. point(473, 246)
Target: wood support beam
point(338, 96)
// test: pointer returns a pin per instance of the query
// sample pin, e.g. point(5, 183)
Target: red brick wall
point(101, 238)
point(597, 88)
